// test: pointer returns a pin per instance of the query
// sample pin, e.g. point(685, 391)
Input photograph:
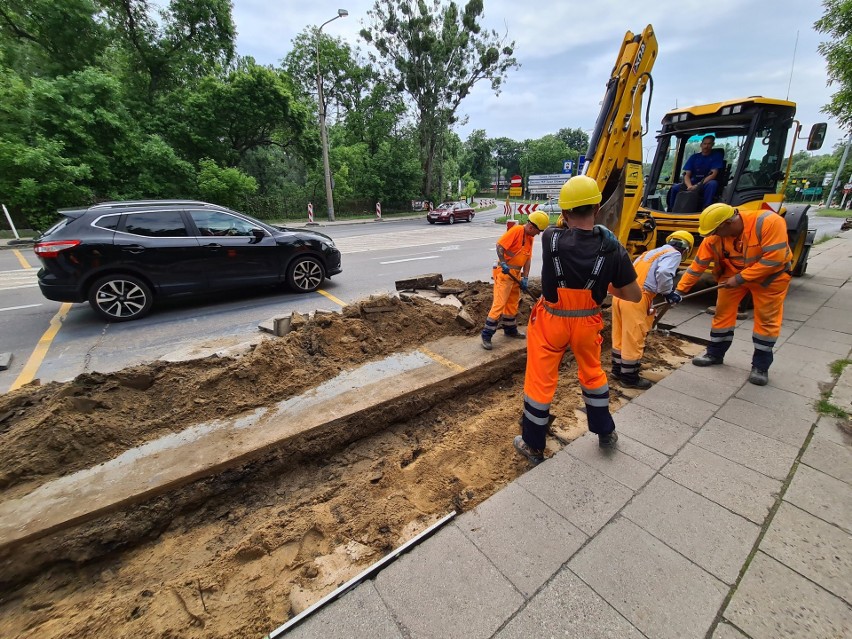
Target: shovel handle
point(703, 290)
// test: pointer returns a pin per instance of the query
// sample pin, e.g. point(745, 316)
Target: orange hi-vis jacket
point(758, 256)
point(518, 246)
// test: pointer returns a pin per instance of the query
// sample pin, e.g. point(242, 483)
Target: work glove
point(608, 240)
point(673, 298)
point(505, 267)
point(525, 283)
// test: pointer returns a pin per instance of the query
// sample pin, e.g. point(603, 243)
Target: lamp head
point(342, 13)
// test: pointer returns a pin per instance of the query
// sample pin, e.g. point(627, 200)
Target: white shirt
point(661, 274)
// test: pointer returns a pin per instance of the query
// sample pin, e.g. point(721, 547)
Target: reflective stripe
point(769, 339)
point(739, 278)
point(771, 278)
point(722, 338)
point(689, 271)
point(538, 421)
point(595, 391)
point(535, 404)
point(602, 402)
point(758, 226)
point(583, 312)
point(774, 247)
point(704, 263)
point(765, 262)
point(761, 347)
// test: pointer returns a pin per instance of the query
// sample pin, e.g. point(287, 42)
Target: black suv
point(121, 255)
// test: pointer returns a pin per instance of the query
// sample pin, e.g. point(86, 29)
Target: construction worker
point(655, 271)
point(750, 253)
point(581, 263)
point(511, 275)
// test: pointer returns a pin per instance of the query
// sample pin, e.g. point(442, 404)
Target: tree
point(576, 139)
point(546, 155)
point(476, 160)
point(436, 53)
point(837, 23)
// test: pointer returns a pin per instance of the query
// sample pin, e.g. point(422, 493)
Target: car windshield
point(446, 205)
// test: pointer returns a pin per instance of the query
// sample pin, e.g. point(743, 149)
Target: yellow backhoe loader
point(751, 137)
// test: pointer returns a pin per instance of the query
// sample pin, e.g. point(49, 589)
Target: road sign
point(567, 166)
point(515, 191)
point(827, 179)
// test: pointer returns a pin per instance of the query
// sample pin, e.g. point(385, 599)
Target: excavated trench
point(236, 554)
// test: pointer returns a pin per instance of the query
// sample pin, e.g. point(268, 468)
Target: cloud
point(707, 53)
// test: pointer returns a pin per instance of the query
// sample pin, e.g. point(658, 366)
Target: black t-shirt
point(578, 251)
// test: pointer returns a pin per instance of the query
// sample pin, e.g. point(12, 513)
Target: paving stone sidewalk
point(724, 513)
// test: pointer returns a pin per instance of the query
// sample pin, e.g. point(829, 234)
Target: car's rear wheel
point(452, 219)
point(305, 274)
point(120, 298)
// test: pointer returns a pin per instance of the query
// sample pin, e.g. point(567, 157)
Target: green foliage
point(546, 155)
point(837, 366)
point(837, 24)
point(825, 407)
point(226, 186)
point(575, 139)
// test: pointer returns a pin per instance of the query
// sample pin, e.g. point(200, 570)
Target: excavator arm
point(614, 158)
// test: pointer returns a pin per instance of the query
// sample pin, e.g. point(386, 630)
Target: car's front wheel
point(120, 298)
point(431, 221)
point(305, 274)
point(452, 219)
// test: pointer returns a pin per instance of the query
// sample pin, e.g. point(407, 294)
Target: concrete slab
point(359, 613)
point(790, 405)
point(766, 421)
point(841, 394)
point(613, 463)
point(705, 533)
point(745, 447)
point(5, 361)
point(206, 449)
point(527, 541)
point(822, 496)
point(569, 609)
point(773, 601)
point(447, 588)
point(727, 631)
point(832, 319)
point(737, 488)
point(822, 339)
point(659, 591)
point(830, 458)
point(831, 428)
point(727, 375)
point(658, 431)
point(665, 401)
point(640, 452)
point(813, 548)
point(695, 385)
point(785, 374)
point(842, 299)
point(582, 495)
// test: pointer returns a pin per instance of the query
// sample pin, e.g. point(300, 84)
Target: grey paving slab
point(727, 631)
point(767, 421)
point(614, 463)
point(569, 609)
point(819, 372)
point(584, 496)
point(822, 496)
point(772, 601)
point(639, 451)
point(525, 539)
point(832, 429)
point(841, 394)
point(842, 300)
point(785, 375)
point(359, 613)
point(831, 319)
point(652, 429)
point(831, 458)
point(739, 355)
point(727, 375)
point(447, 588)
point(658, 590)
point(694, 385)
point(822, 339)
point(802, 354)
point(712, 537)
point(689, 410)
point(737, 488)
point(752, 450)
point(789, 404)
point(813, 548)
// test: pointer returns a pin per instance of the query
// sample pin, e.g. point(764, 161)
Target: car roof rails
point(141, 203)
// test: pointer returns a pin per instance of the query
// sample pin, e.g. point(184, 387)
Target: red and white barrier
point(526, 209)
point(378, 210)
point(310, 213)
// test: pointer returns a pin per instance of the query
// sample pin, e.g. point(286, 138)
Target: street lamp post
point(341, 13)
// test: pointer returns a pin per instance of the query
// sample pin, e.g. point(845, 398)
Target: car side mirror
point(258, 235)
point(817, 136)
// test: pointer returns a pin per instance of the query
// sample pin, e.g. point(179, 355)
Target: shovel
point(532, 297)
point(667, 306)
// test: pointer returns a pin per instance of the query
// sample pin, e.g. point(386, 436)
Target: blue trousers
point(708, 190)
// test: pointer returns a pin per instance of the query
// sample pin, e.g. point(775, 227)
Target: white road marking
point(17, 308)
point(417, 237)
point(22, 278)
point(412, 259)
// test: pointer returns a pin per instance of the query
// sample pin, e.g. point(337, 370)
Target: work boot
point(486, 343)
point(535, 457)
point(706, 359)
point(758, 376)
point(608, 441)
point(516, 335)
point(640, 382)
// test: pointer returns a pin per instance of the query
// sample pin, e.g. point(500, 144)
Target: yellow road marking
point(21, 258)
point(443, 360)
point(31, 367)
point(331, 297)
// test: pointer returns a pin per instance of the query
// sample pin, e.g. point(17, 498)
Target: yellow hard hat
point(580, 190)
point(683, 236)
point(713, 216)
point(540, 219)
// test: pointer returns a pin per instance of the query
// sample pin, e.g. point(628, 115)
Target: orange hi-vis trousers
point(507, 294)
point(574, 321)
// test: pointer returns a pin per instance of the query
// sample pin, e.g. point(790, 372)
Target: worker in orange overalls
point(511, 275)
point(750, 254)
point(582, 262)
point(655, 272)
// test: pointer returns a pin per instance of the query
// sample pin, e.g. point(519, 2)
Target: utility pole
point(839, 171)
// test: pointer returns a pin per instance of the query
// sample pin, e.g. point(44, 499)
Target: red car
point(451, 212)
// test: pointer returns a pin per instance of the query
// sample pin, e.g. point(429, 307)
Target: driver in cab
point(701, 172)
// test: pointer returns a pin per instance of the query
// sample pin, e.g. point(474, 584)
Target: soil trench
point(261, 544)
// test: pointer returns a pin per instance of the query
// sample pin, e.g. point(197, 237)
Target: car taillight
point(52, 249)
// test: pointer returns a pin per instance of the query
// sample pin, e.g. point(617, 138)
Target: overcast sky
point(708, 52)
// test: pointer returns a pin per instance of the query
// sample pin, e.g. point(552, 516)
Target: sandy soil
point(274, 542)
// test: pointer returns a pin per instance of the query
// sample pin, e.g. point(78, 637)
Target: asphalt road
point(375, 254)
